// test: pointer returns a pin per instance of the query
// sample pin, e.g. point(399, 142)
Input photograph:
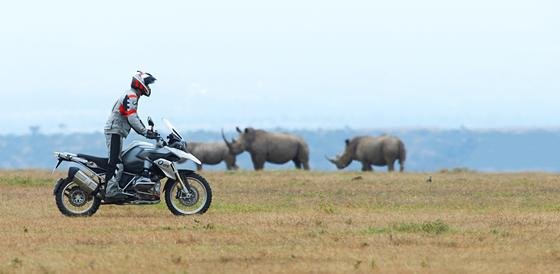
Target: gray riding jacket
point(123, 116)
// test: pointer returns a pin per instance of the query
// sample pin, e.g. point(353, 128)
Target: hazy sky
point(292, 64)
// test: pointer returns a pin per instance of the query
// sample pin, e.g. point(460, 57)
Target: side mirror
point(150, 122)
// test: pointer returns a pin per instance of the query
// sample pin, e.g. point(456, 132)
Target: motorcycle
point(83, 190)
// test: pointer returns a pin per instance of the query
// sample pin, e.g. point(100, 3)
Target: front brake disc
point(188, 200)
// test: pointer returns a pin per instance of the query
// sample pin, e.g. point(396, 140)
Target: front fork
point(184, 186)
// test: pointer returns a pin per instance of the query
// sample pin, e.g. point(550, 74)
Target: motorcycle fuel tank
point(134, 156)
point(131, 156)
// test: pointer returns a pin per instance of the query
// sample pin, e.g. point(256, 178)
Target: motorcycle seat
point(102, 163)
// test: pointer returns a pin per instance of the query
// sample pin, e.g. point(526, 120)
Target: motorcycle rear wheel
point(73, 201)
point(198, 202)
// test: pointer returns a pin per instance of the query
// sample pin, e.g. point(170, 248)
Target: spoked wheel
point(73, 201)
point(187, 202)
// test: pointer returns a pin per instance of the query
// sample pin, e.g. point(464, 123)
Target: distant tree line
point(427, 150)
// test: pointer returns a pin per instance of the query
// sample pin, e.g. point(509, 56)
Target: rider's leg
point(114, 143)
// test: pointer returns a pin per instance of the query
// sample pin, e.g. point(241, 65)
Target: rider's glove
point(151, 134)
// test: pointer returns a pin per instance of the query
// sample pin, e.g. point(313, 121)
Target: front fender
point(193, 158)
point(186, 171)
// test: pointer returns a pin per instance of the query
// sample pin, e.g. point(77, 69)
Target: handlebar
point(160, 142)
point(153, 134)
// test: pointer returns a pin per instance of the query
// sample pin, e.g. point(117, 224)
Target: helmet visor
point(149, 79)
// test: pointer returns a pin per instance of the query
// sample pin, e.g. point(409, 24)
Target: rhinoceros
point(377, 151)
point(277, 148)
point(212, 154)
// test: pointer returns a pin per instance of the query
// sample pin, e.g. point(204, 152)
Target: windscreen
point(171, 128)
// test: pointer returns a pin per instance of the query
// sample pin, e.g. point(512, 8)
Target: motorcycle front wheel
point(182, 202)
point(73, 201)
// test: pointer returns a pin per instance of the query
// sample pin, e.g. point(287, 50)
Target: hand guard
point(151, 134)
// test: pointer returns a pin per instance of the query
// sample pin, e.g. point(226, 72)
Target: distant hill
point(428, 150)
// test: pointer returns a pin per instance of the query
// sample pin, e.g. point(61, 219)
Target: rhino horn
point(330, 159)
point(225, 140)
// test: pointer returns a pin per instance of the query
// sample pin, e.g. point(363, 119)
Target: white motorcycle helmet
point(141, 81)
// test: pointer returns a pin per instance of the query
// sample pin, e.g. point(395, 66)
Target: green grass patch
point(378, 230)
point(221, 207)
point(432, 227)
point(26, 181)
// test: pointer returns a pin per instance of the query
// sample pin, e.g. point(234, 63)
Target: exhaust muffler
point(85, 179)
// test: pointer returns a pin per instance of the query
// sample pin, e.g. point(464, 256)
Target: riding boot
point(112, 191)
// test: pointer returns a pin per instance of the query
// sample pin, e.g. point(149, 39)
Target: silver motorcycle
point(186, 192)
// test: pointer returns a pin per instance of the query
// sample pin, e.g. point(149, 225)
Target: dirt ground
point(297, 222)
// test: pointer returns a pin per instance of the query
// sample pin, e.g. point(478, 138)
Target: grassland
point(297, 222)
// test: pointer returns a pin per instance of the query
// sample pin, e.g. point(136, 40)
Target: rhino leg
point(297, 163)
point(366, 167)
point(230, 162)
point(231, 166)
point(258, 161)
point(391, 166)
point(228, 166)
point(303, 156)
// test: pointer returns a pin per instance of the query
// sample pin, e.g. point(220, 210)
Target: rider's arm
point(128, 109)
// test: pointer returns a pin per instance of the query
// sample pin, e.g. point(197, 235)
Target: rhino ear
point(250, 130)
point(347, 141)
point(249, 134)
point(238, 130)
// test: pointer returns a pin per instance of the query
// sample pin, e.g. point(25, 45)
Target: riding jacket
point(123, 116)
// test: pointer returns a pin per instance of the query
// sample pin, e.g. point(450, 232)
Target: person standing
point(123, 117)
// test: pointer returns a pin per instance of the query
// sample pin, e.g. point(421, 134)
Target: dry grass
point(291, 222)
